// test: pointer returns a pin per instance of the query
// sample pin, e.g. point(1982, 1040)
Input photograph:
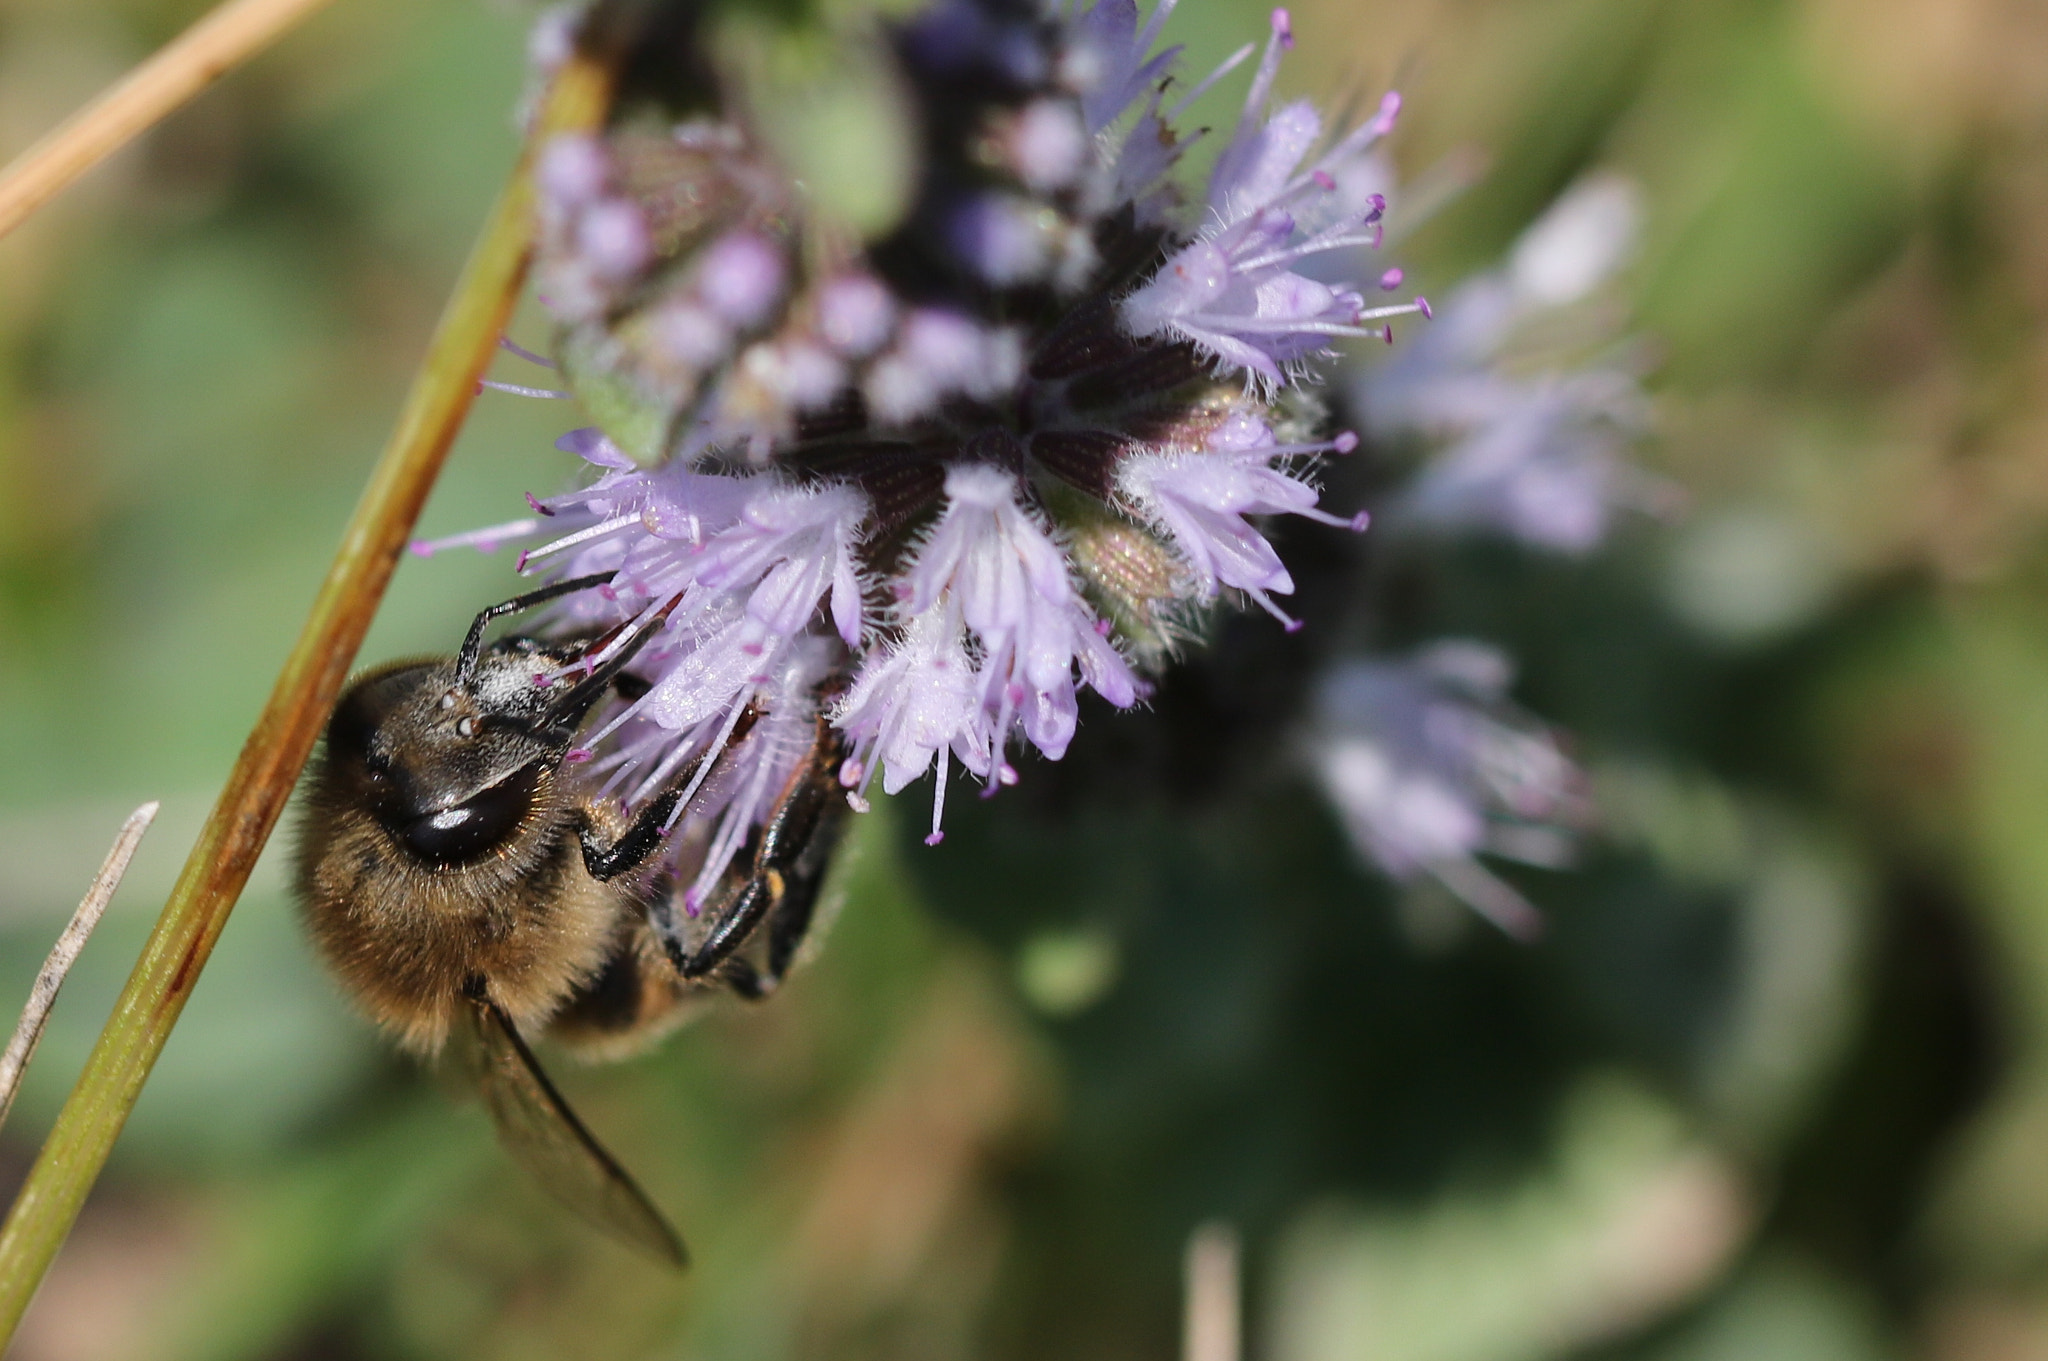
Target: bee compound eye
point(475, 827)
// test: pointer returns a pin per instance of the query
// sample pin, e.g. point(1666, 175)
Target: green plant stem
point(283, 737)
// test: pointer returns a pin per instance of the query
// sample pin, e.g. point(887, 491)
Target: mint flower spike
point(929, 488)
point(1429, 767)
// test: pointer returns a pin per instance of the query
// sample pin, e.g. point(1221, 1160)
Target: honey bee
point(467, 885)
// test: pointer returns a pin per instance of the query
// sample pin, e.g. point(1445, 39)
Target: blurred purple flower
point(1429, 767)
point(1532, 447)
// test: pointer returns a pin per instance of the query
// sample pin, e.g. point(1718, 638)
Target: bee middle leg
point(770, 900)
point(789, 919)
point(779, 885)
point(734, 920)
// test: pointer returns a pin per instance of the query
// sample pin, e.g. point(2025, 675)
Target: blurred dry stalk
point(269, 765)
point(223, 40)
point(1212, 1330)
point(34, 1016)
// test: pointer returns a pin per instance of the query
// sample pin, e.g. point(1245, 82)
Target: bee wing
point(546, 1138)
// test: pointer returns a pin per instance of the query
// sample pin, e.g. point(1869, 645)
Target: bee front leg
point(633, 846)
point(465, 660)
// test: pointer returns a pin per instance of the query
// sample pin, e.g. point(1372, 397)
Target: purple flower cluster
point(1529, 408)
point(1428, 767)
point(933, 485)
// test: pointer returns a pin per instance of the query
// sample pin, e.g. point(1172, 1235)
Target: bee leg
point(633, 846)
point(789, 901)
point(737, 906)
point(735, 925)
point(639, 841)
point(792, 900)
point(792, 919)
point(745, 980)
point(789, 862)
point(777, 883)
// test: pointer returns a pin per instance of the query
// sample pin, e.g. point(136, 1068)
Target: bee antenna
point(465, 660)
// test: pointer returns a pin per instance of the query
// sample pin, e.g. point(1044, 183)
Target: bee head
point(452, 767)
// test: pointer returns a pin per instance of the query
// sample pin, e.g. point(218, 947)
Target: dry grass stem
point(1212, 1329)
point(29, 1031)
point(223, 40)
point(269, 765)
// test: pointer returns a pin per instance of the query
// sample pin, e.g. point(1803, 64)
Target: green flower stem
point(269, 765)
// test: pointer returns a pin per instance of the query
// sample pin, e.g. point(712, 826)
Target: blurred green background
point(1775, 1085)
